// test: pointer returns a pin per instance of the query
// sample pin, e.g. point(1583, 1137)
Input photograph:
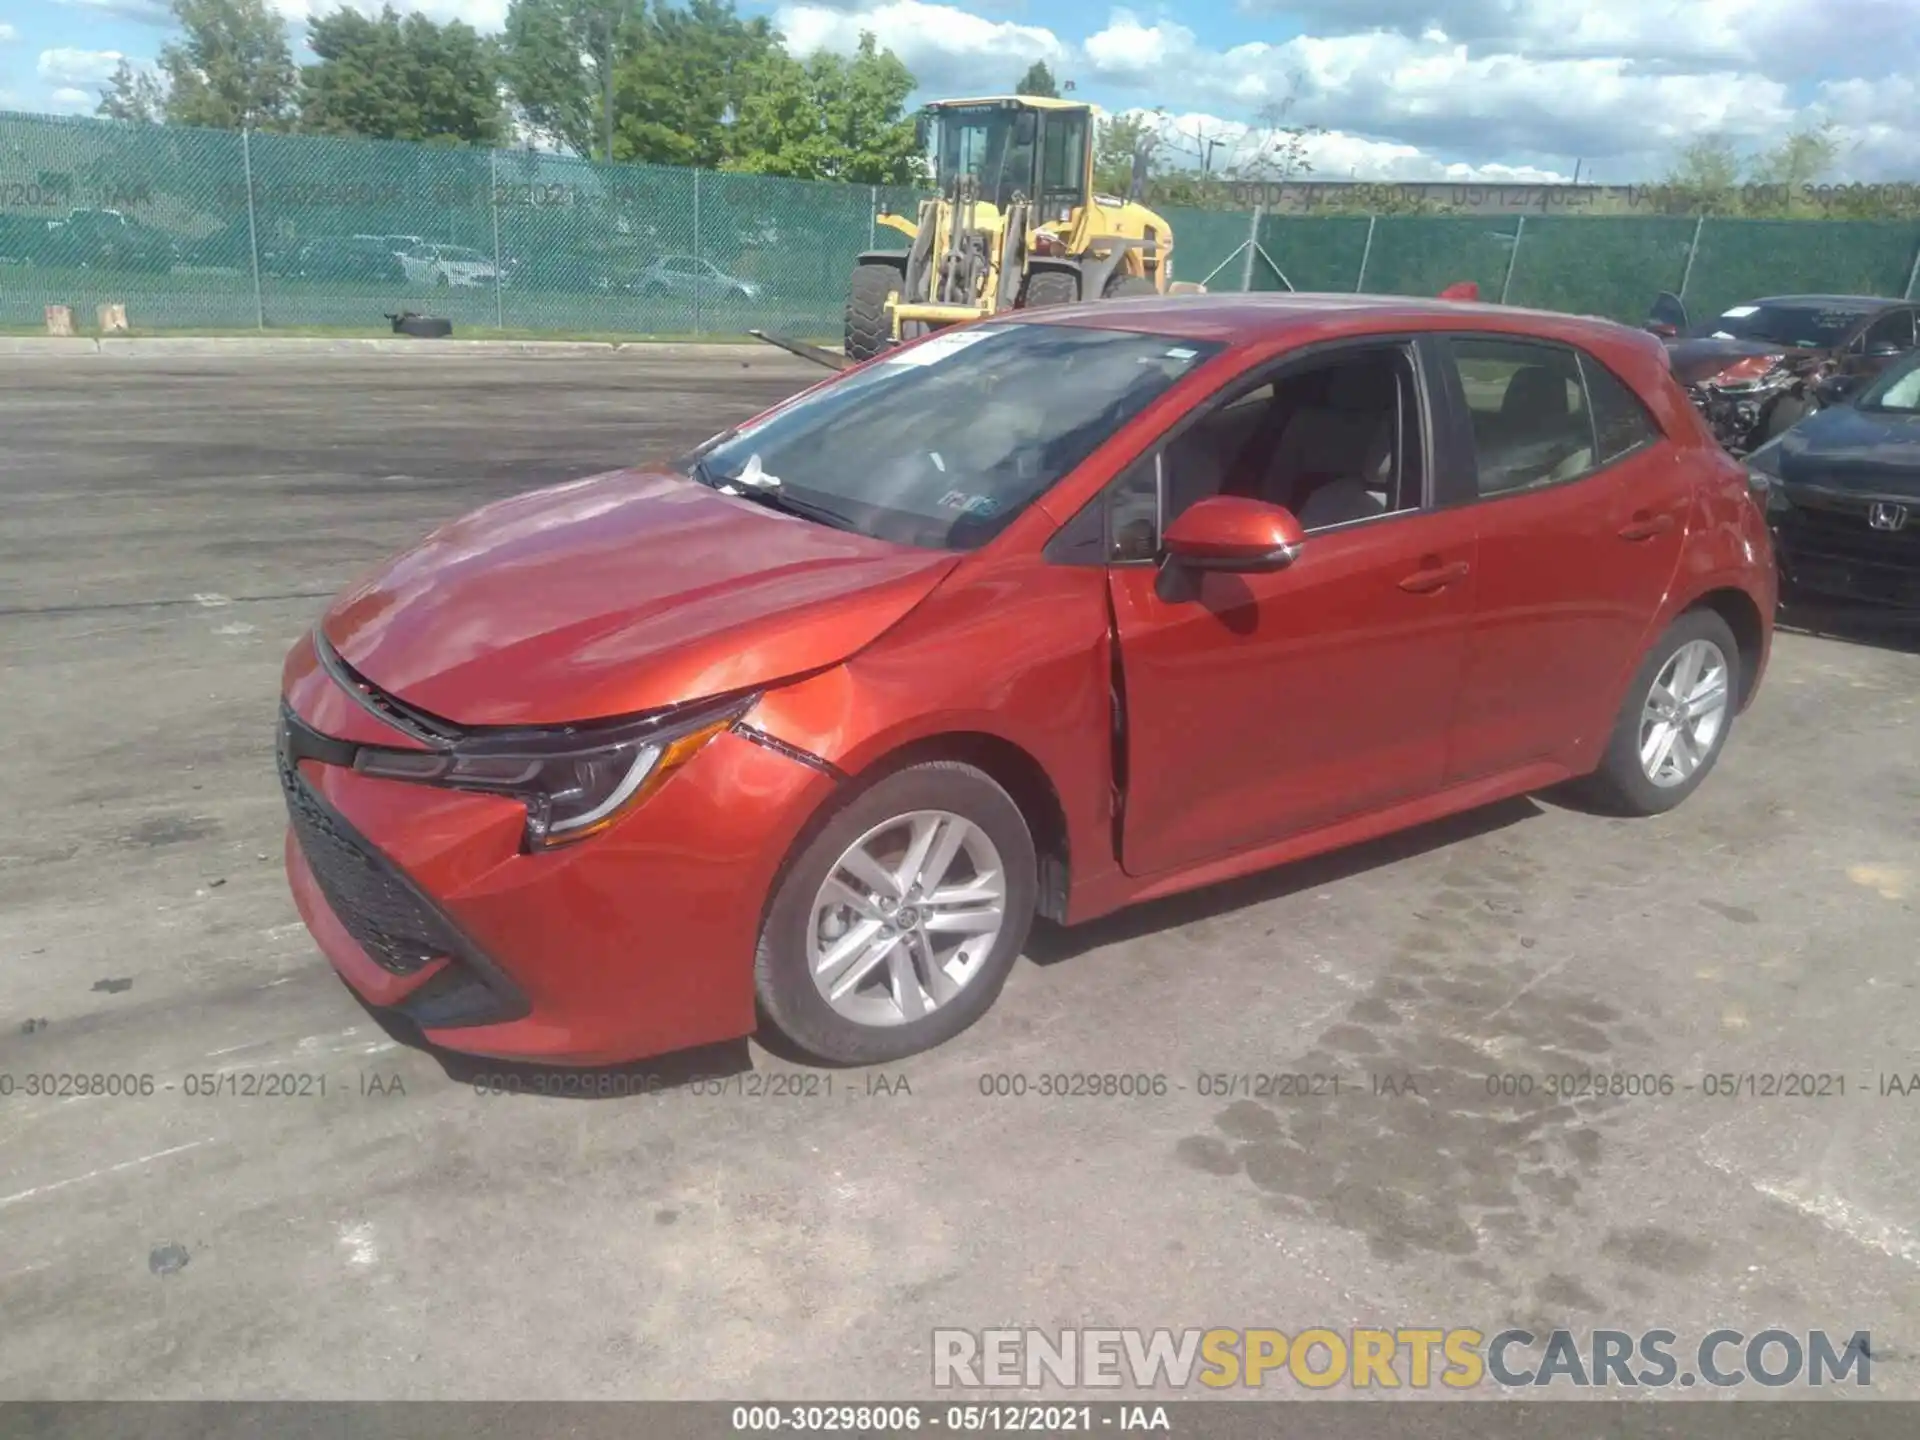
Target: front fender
point(1023, 659)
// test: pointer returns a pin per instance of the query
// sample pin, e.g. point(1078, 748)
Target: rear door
point(1583, 508)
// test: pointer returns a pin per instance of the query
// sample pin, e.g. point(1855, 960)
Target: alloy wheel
point(906, 918)
point(1684, 713)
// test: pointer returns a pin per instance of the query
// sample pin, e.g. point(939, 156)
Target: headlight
point(575, 782)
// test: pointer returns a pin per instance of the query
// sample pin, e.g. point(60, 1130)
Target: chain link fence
point(216, 230)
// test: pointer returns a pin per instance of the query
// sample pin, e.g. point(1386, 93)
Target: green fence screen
point(199, 229)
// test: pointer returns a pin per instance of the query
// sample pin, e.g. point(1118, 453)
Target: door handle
point(1435, 577)
point(1645, 526)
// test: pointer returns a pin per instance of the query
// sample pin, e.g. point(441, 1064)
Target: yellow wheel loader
point(1016, 224)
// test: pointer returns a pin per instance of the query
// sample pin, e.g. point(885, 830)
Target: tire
point(1120, 287)
point(868, 330)
point(1050, 287)
point(1621, 784)
point(785, 988)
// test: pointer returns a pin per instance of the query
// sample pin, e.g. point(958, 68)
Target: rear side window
point(1528, 406)
point(1621, 423)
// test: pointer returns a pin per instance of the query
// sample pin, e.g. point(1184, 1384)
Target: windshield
point(1895, 392)
point(1813, 327)
point(945, 444)
point(992, 143)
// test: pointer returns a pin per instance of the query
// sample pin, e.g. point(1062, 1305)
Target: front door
point(1261, 706)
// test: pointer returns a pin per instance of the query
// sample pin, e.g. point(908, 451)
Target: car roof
point(1830, 302)
point(1247, 319)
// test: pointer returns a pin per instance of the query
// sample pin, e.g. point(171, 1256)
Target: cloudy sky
point(1408, 89)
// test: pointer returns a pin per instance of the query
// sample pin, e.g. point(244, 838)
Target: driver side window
point(1336, 441)
point(1890, 333)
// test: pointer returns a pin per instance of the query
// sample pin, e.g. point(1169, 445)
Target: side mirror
point(1886, 350)
point(1234, 534)
point(1667, 316)
point(1837, 388)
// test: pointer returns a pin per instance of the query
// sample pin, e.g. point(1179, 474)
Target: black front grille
point(1846, 535)
point(374, 904)
point(398, 926)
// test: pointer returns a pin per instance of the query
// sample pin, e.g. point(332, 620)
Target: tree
point(559, 59)
point(1706, 177)
point(1038, 81)
point(389, 79)
point(1803, 158)
point(131, 95)
point(688, 72)
point(1275, 148)
point(232, 70)
point(832, 118)
point(1121, 141)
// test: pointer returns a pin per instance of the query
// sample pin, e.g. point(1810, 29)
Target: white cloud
point(147, 12)
point(78, 67)
point(1777, 38)
point(69, 98)
point(1336, 155)
point(1525, 112)
point(486, 16)
point(949, 50)
point(7, 32)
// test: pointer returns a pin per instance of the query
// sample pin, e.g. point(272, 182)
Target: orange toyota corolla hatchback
point(1051, 614)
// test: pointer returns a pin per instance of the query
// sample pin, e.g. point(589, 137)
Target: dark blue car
point(1843, 494)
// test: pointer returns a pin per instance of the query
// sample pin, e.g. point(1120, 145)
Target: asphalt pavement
point(383, 1227)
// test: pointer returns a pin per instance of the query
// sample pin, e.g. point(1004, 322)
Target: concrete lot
point(171, 527)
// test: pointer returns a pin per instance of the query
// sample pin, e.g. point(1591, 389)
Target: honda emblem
point(1884, 516)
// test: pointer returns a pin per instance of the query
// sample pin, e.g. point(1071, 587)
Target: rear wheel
point(899, 922)
point(1050, 287)
point(869, 331)
point(1674, 721)
point(1122, 286)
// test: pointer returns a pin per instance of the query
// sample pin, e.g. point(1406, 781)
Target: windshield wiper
point(775, 498)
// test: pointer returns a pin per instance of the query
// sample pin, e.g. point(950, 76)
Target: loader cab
point(1039, 151)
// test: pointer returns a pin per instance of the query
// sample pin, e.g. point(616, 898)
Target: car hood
point(1853, 450)
point(1703, 357)
point(618, 594)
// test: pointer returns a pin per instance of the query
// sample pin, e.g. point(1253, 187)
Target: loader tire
point(1120, 287)
point(869, 331)
point(1050, 287)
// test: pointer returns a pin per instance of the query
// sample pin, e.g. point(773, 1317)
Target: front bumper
point(635, 943)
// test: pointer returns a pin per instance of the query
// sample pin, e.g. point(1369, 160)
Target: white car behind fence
point(447, 265)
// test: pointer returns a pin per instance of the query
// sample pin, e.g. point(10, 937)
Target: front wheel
point(897, 925)
point(869, 329)
point(1050, 287)
point(1674, 721)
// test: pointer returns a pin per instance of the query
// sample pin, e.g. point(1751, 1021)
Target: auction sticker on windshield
point(940, 347)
